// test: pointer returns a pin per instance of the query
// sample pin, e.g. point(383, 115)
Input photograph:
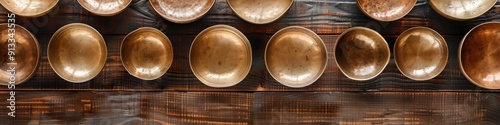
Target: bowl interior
point(182, 11)
point(386, 10)
point(105, 7)
point(462, 9)
point(296, 56)
point(35, 8)
point(260, 11)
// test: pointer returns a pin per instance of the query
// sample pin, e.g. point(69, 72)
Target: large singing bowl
point(295, 56)
point(462, 9)
point(260, 11)
point(420, 53)
point(220, 56)
point(146, 53)
point(29, 8)
point(182, 11)
point(77, 52)
point(105, 7)
point(386, 10)
point(361, 53)
point(479, 55)
point(26, 54)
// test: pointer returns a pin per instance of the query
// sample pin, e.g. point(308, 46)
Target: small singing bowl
point(295, 56)
point(420, 53)
point(462, 9)
point(386, 10)
point(29, 8)
point(24, 49)
point(182, 11)
point(220, 56)
point(479, 55)
point(361, 53)
point(146, 53)
point(77, 52)
point(105, 7)
point(260, 11)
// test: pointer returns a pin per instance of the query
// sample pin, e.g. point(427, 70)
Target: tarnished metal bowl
point(479, 55)
point(420, 53)
point(260, 11)
point(462, 9)
point(220, 56)
point(386, 10)
point(146, 53)
point(361, 53)
point(182, 11)
point(295, 56)
point(77, 52)
point(26, 54)
point(29, 8)
point(105, 7)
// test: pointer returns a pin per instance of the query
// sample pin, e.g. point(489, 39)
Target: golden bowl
point(27, 54)
point(29, 8)
point(361, 53)
point(77, 52)
point(220, 56)
point(386, 10)
point(105, 7)
point(295, 56)
point(260, 11)
point(182, 11)
point(420, 53)
point(462, 9)
point(146, 53)
point(479, 55)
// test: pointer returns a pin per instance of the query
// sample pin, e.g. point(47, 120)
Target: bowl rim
point(369, 15)
point(180, 21)
point(39, 14)
point(443, 46)
point(304, 84)
point(104, 14)
point(460, 65)
point(59, 32)
point(148, 29)
point(369, 30)
point(37, 64)
point(253, 22)
point(236, 32)
point(435, 8)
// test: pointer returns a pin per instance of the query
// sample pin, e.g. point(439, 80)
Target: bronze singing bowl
point(386, 10)
point(295, 56)
point(26, 58)
point(105, 7)
point(146, 53)
point(220, 56)
point(29, 8)
point(361, 53)
point(462, 9)
point(77, 52)
point(420, 53)
point(260, 11)
point(479, 55)
point(182, 11)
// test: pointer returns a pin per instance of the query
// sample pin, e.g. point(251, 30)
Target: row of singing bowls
point(27, 54)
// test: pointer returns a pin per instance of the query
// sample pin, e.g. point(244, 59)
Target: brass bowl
point(77, 52)
point(220, 56)
point(420, 53)
point(260, 11)
point(361, 53)
point(182, 11)
point(146, 53)
point(29, 8)
point(26, 58)
point(479, 55)
point(386, 10)
point(105, 7)
point(462, 9)
point(295, 56)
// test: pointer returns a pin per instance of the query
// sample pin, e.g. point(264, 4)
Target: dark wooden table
point(115, 97)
